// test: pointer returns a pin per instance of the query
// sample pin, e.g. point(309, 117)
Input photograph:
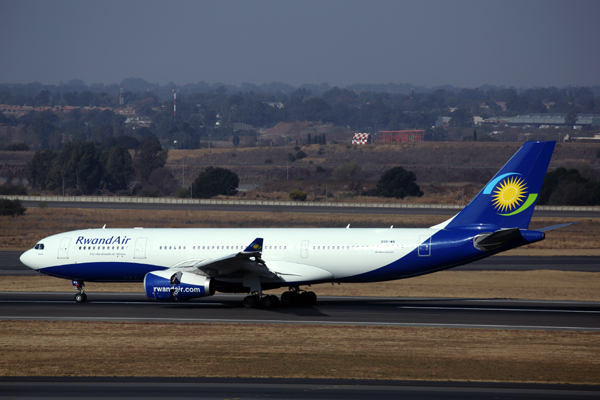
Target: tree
point(215, 181)
point(399, 183)
point(571, 118)
point(297, 195)
point(77, 166)
point(118, 165)
point(567, 187)
point(11, 207)
point(347, 172)
point(38, 169)
point(148, 157)
point(163, 180)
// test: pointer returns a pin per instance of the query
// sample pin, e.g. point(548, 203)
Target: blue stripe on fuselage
point(449, 248)
point(112, 271)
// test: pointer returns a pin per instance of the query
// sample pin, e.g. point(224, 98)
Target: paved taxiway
point(274, 389)
point(329, 310)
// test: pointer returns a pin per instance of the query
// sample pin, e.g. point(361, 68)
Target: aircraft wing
point(247, 260)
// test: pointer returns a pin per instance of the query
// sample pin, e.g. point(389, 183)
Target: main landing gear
point(80, 297)
point(291, 298)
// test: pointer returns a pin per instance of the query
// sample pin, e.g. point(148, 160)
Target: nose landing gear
point(80, 297)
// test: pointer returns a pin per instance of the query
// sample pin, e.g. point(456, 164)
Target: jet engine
point(169, 285)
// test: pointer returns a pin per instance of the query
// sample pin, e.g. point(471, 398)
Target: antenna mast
point(174, 103)
point(121, 99)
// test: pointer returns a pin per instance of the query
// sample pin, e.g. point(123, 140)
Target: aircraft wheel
point(250, 301)
point(288, 298)
point(80, 298)
point(270, 301)
point(312, 298)
point(304, 298)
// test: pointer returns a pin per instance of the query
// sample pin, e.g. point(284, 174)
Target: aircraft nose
point(26, 259)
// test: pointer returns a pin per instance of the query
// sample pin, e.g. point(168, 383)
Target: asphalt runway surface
point(298, 209)
point(329, 310)
point(275, 389)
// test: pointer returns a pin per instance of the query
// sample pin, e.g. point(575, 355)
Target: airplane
point(188, 263)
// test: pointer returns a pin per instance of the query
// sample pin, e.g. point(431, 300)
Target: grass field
point(39, 348)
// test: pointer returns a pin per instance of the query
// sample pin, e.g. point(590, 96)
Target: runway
point(275, 389)
point(295, 209)
point(329, 310)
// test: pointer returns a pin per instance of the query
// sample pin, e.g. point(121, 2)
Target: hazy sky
point(464, 43)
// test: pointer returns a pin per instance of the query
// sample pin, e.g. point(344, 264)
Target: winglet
point(255, 246)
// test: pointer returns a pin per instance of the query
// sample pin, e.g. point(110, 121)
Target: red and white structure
point(361, 138)
point(174, 103)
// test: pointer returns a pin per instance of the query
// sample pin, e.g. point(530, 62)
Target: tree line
point(206, 112)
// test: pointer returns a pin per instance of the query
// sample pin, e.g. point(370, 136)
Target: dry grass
point(23, 232)
point(238, 350)
point(528, 285)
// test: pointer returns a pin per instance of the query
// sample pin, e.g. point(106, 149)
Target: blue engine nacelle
point(169, 285)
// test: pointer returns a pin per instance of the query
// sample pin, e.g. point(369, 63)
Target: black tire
point(312, 298)
point(268, 302)
point(276, 301)
point(80, 298)
point(304, 298)
point(250, 301)
point(288, 298)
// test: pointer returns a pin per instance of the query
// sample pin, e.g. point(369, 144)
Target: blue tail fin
point(508, 200)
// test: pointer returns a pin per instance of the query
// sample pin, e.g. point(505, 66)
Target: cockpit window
point(39, 246)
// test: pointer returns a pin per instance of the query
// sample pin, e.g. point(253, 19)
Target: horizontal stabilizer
point(549, 228)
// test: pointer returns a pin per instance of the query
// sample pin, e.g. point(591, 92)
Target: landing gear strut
point(80, 297)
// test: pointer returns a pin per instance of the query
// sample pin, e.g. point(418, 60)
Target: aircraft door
point(304, 252)
point(140, 248)
point(63, 249)
point(424, 246)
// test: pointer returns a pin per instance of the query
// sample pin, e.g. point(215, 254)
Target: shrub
point(298, 195)
point(268, 161)
point(11, 207)
point(300, 155)
point(13, 189)
point(182, 192)
point(215, 181)
point(399, 183)
point(346, 172)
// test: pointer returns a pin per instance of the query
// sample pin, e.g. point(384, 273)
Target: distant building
point(401, 136)
point(240, 126)
point(442, 121)
point(274, 104)
point(580, 139)
point(361, 138)
point(545, 120)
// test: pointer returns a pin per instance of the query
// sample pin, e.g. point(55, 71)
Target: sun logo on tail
point(509, 194)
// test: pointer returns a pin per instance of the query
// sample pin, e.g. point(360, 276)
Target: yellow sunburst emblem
point(509, 194)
